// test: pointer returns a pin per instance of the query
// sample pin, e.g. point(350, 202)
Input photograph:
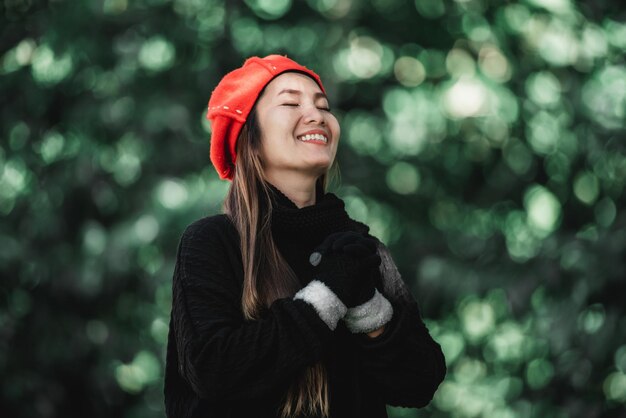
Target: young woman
point(283, 306)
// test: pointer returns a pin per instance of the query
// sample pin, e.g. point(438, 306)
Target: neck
point(300, 190)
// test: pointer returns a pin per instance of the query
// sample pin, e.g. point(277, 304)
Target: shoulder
point(210, 228)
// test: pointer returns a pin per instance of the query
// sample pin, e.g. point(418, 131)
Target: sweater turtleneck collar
point(309, 225)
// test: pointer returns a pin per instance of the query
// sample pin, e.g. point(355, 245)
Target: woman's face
point(298, 132)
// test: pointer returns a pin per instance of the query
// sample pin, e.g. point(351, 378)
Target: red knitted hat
point(233, 99)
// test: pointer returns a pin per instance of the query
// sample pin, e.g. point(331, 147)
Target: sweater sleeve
point(220, 355)
point(404, 363)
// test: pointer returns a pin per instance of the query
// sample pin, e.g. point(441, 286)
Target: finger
point(327, 244)
point(372, 261)
point(357, 249)
point(370, 243)
point(345, 239)
point(356, 237)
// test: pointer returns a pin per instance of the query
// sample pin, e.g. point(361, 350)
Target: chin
point(318, 160)
point(322, 166)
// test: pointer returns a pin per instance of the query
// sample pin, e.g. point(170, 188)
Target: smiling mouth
point(317, 138)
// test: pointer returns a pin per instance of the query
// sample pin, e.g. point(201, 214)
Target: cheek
point(268, 147)
point(335, 129)
point(273, 147)
point(333, 123)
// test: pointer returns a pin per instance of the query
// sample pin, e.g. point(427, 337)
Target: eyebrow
point(298, 93)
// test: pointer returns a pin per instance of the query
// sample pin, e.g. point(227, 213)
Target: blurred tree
point(482, 141)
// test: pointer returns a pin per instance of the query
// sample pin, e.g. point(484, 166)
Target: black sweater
point(220, 365)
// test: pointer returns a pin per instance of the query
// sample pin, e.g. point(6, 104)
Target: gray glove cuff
point(326, 303)
point(370, 315)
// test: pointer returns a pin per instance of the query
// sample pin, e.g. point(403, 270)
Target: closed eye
point(325, 108)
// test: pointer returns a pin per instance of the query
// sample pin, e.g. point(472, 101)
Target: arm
point(222, 356)
point(403, 361)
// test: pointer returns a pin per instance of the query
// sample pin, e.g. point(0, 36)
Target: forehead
point(292, 81)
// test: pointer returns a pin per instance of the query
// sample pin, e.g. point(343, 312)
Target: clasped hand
point(347, 262)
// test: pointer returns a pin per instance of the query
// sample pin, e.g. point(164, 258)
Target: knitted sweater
point(220, 365)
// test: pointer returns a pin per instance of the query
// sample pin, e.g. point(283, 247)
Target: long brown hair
point(267, 276)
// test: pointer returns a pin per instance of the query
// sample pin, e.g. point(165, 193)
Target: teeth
point(317, 137)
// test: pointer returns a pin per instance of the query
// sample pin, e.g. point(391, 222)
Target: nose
point(312, 114)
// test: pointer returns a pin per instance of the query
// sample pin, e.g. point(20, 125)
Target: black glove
point(347, 262)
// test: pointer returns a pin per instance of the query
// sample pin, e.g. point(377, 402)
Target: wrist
point(325, 302)
point(370, 316)
point(376, 332)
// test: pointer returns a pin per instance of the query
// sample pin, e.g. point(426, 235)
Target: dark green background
point(483, 141)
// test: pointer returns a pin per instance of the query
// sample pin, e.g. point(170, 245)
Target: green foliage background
point(483, 141)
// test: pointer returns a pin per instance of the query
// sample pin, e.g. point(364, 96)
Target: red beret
point(234, 97)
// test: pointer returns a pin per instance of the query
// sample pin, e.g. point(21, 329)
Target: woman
point(283, 306)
